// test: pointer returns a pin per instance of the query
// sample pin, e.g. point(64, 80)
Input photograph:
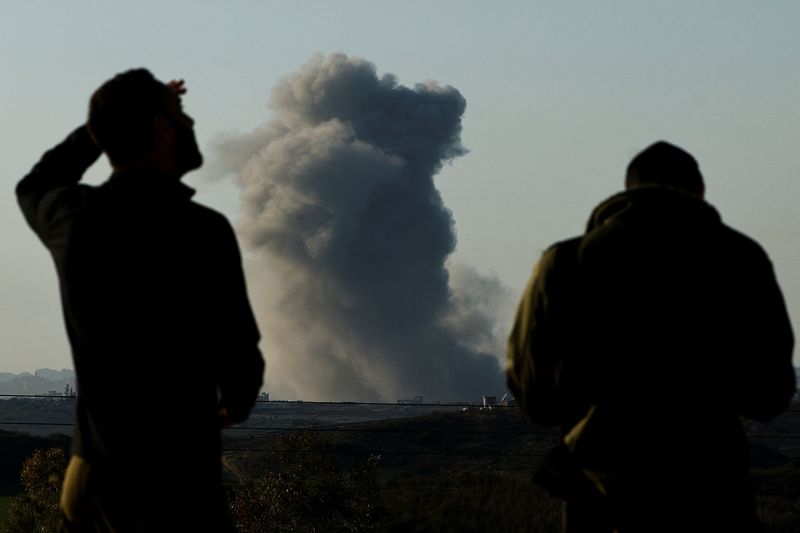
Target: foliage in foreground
point(36, 508)
point(778, 497)
point(308, 493)
point(304, 490)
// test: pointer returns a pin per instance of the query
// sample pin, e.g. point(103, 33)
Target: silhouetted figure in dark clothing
point(646, 339)
point(163, 338)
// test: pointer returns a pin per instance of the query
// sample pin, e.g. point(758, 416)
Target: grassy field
point(466, 470)
point(471, 471)
point(5, 501)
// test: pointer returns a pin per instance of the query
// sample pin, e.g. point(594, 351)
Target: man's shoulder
point(563, 246)
point(740, 244)
point(206, 214)
point(558, 259)
point(561, 251)
point(208, 220)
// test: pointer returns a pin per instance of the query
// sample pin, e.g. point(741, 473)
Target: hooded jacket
point(664, 326)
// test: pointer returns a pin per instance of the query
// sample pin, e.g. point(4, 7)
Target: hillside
point(438, 468)
point(471, 470)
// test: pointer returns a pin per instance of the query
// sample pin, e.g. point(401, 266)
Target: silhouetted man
point(645, 340)
point(163, 338)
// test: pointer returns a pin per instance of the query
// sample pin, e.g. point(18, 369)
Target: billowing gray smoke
point(350, 237)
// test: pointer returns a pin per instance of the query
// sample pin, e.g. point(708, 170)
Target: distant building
point(489, 401)
point(416, 400)
point(263, 397)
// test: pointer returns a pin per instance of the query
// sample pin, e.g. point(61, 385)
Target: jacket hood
point(658, 206)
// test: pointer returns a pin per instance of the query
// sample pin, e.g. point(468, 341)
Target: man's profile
point(163, 338)
point(646, 340)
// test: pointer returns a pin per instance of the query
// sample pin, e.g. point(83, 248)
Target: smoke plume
point(349, 239)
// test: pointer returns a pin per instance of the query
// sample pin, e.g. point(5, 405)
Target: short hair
point(667, 165)
point(121, 113)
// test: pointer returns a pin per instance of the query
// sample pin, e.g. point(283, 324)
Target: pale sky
point(560, 96)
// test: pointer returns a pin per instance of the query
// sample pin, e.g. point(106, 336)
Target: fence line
point(331, 402)
point(334, 429)
point(295, 402)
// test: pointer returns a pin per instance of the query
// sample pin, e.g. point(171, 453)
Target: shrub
point(308, 493)
point(36, 508)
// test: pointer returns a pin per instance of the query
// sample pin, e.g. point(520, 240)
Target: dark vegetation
point(307, 491)
point(446, 471)
point(36, 507)
point(778, 497)
point(38, 416)
point(15, 448)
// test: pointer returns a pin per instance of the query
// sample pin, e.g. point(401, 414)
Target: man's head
point(666, 165)
point(138, 121)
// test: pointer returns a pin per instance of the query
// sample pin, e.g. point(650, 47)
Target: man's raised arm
point(46, 192)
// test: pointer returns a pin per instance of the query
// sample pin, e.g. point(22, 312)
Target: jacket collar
point(655, 205)
point(151, 185)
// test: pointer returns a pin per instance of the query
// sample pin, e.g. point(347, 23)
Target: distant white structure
point(416, 400)
point(507, 400)
point(489, 401)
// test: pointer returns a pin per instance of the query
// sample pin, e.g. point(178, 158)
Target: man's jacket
point(664, 326)
point(156, 310)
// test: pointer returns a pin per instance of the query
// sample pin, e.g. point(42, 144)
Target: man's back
point(646, 339)
point(669, 290)
point(677, 310)
point(154, 305)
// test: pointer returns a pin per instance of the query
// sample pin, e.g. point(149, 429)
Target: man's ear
point(163, 129)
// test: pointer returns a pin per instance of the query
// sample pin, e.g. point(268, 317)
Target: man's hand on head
point(177, 86)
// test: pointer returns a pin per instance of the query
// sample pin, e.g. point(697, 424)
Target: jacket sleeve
point(764, 374)
point(48, 192)
point(242, 365)
point(533, 366)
